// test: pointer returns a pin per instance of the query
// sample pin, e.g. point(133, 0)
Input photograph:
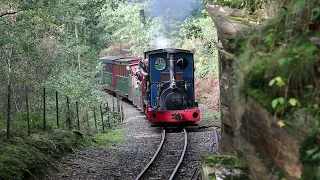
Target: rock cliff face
point(245, 124)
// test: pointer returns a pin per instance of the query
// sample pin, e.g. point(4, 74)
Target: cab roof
point(168, 50)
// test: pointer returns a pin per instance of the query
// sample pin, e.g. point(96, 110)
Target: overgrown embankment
point(279, 66)
point(270, 77)
point(28, 158)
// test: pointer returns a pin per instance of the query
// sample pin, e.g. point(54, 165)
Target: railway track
point(167, 159)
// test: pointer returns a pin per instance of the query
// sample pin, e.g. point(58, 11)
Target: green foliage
point(121, 24)
point(309, 155)
point(279, 175)
point(279, 82)
point(44, 39)
point(236, 161)
point(281, 60)
point(279, 64)
point(256, 77)
point(231, 3)
point(19, 124)
point(250, 5)
point(78, 86)
point(212, 176)
point(277, 101)
point(262, 97)
point(198, 34)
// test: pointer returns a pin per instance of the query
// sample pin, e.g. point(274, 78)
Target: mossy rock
point(241, 19)
point(236, 161)
point(229, 167)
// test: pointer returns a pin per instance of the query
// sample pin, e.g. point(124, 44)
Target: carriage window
point(182, 63)
point(160, 64)
point(108, 68)
point(105, 68)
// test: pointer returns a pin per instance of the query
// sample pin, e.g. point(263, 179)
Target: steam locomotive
point(161, 84)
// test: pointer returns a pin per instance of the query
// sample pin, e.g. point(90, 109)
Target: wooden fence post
point(112, 104)
point(57, 109)
point(109, 121)
point(78, 119)
point(122, 113)
point(27, 109)
point(118, 103)
point(9, 111)
point(68, 113)
point(102, 118)
point(87, 116)
point(95, 118)
point(109, 112)
point(44, 109)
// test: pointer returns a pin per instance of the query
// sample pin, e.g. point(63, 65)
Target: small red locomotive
point(161, 84)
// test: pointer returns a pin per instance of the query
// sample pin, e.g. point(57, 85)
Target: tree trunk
point(78, 51)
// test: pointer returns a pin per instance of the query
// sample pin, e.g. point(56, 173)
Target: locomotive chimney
point(172, 68)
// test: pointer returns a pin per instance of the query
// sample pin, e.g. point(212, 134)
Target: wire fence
point(28, 110)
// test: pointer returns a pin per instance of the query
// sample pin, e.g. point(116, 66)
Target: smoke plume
point(161, 42)
point(173, 13)
point(174, 10)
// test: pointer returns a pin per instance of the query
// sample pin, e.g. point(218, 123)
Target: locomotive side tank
point(169, 86)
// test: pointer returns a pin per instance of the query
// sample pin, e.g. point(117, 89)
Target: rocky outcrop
point(277, 147)
point(245, 124)
point(227, 29)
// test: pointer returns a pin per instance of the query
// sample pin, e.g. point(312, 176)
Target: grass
point(211, 118)
point(110, 138)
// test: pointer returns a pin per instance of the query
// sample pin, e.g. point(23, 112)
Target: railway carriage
point(106, 75)
point(161, 84)
point(123, 77)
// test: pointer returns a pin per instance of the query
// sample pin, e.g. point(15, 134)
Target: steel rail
point(154, 156)
point(182, 155)
point(217, 139)
point(195, 174)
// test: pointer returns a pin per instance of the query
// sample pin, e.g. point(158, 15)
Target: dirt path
point(124, 161)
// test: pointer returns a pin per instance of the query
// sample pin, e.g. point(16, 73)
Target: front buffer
point(173, 116)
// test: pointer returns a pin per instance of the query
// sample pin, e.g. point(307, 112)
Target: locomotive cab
point(170, 86)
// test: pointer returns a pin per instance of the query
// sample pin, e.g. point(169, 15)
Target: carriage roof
point(110, 58)
point(128, 60)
